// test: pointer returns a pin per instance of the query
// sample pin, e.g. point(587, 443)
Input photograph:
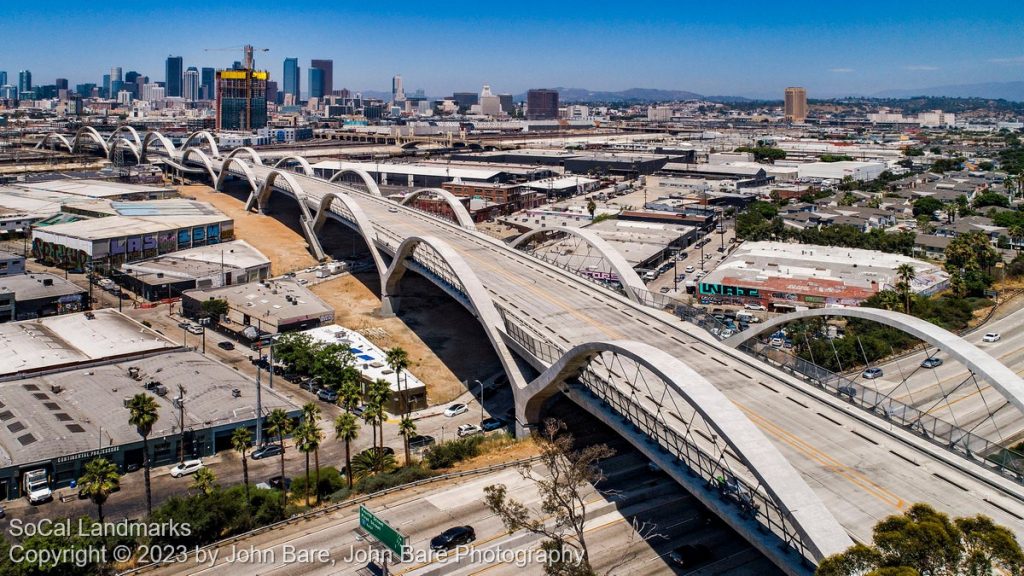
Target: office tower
point(208, 79)
point(85, 90)
point(116, 81)
point(290, 78)
point(316, 83)
point(541, 104)
point(174, 75)
point(465, 99)
point(327, 67)
point(490, 105)
point(271, 91)
point(106, 86)
point(3, 78)
point(153, 92)
point(242, 99)
point(796, 104)
point(24, 81)
point(192, 82)
point(131, 83)
point(507, 105)
point(61, 83)
point(124, 97)
point(397, 92)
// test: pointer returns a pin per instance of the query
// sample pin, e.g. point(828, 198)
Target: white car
point(195, 329)
point(455, 410)
point(754, 307)
point(991, 337)
point(187, 467)
point(689, 269)
point(469, 430)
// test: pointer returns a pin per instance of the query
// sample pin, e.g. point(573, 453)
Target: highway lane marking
point(828, 462)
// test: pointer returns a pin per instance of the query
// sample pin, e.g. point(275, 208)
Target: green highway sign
point(377, 528)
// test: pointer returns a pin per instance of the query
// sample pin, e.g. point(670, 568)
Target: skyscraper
point(541, 104)
point(3, 78)
point(207, 82)
point(116, 81)
point(327, 67)
point(192, 82)
point(271, 91)
point(174, 76)
point(316, 83)
point(796, 104)
point(242, 99)
point(61, 83)
point(24, 81)
point(106, 86)
point(290, 78)
point(397, 92)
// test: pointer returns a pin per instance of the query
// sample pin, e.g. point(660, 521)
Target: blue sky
point(738, 48)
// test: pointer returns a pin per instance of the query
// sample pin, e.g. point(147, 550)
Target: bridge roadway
point(861, 469)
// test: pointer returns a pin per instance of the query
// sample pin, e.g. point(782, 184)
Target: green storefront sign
point(377, 528)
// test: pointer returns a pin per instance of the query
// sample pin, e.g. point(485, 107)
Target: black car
point(225, 345)
point(489, 424)
point(280, 483)
point(266, 451)
point(419, 441)
point(690, 555)
point(453, 537)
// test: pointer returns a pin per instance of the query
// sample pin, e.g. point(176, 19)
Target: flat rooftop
point(370, 360)
point(119, 226)
point(77, 410)
point(38, 285)
point(45, 343)
point(94, 188)
point(281, 299)
point(200, 262)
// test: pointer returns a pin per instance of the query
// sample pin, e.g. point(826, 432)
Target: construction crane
point(247, 51)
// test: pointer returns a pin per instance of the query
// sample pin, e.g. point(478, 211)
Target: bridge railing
point(1004, 460)
point(752, 502)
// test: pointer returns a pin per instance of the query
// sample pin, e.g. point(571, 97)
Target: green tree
point(241, 441)
point(309, 437)
point(969, 257)
point(991, 198)
point(591, 207)
point(407, 429)
point(279, 424)
point(398, 359)
point(332, 365)
point(142, 414)
point(1016, 235)
point(204, 481)
point(213, 308)
point(927, 206)
point(906, 274)
point(100, 479)
point(346, 429)
point(372, 461)
point(297, 351)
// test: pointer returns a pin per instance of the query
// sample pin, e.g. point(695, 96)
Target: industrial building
point(730, 175)
point(512, 197)
point(99, 189)
point(260, 308)
point(784, 277)
point(860, 171)
point(212, 266)
point(11, 264)
point(26, 296)
point(69, 408)
point(138, 230)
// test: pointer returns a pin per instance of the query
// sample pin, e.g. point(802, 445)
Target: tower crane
point(247, 51)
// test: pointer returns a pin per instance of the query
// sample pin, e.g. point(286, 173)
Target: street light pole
point(481, 399)
point(259, 409)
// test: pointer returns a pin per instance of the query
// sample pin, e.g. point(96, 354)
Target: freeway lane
point(861, 474)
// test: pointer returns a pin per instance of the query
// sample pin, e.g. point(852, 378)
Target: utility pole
point(181, 422)
point(259, 405)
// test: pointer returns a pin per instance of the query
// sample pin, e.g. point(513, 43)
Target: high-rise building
point(490, 105)
point(242, 99)
point(61, 83)
point(116, 81)
point(124, 97)
point(131, 83)
point(271, 91)
point(24, 81)
point(3, 78)
point(85, 90)
point(397, 91)
point(508, 106)
point(174, 76)
point(153, 92)
point(106, 86)
point(541, 104)
point(316, 83)
point(465, 99)
point(327, 67)
point(796, 104)
point(290, 78)
point(207, 83)
point(192, 82)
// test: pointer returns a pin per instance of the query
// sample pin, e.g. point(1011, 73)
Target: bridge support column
point(311, 239)
point(388, 306)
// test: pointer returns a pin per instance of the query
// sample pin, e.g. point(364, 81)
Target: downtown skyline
point(753, 51)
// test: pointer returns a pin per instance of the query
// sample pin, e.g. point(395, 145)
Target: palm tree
point(279, 424)
point(204, 481)
point(369, 462)
point(307, 440)
point(346, 427)
point(407, 428)
point(1016, 234)
point(380, 394)
point(99, 480)
point(906, 274)
point(398, 359)
point(311, 417)
point(143, 415)
point(241, 441)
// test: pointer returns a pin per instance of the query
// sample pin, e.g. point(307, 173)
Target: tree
point(407, 428)
point(969, 257)
point(924, 541)
point(906, 273)
point(309, 438)
point(204, 481)
point(332, 365)
point(591, 207)
point(927, 206)
point(991, 198)
point(346, 429)
point(297, 351)
point(563, 497)
point(372, 461)
point(100, 479)
point(398, 359)
point(143, 415)
point(241, 441)
point(214, 308)
point(279, 424)
point(1016, 235)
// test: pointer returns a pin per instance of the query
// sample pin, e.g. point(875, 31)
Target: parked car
point(308, 384)
point(689, 269)
point(468, 430)
point(358, 410)
point(453, 537)
point(225, 345)
point(327, 395)
point(455, 410)
point(754, 307)
point(266, 451)
point(665, 289)
point(419, 441)
point(690, 555)
point(489, 424)
point(195, 329)
point(872, 373)
point(187, 467)
point(776, 342)
point(991, 337)
point(931, 362)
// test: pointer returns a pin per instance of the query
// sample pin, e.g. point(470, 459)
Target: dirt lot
point(445, 344)
point(285, 247)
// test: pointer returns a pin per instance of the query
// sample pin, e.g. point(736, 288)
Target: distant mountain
point(1013, 91)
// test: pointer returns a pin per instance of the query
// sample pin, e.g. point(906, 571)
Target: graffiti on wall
point(59, 254)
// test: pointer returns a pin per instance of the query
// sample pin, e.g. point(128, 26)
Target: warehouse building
point(786, 277)
point(259, 308)
point(26, 296)
point(212, 266)
point(71, 409)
